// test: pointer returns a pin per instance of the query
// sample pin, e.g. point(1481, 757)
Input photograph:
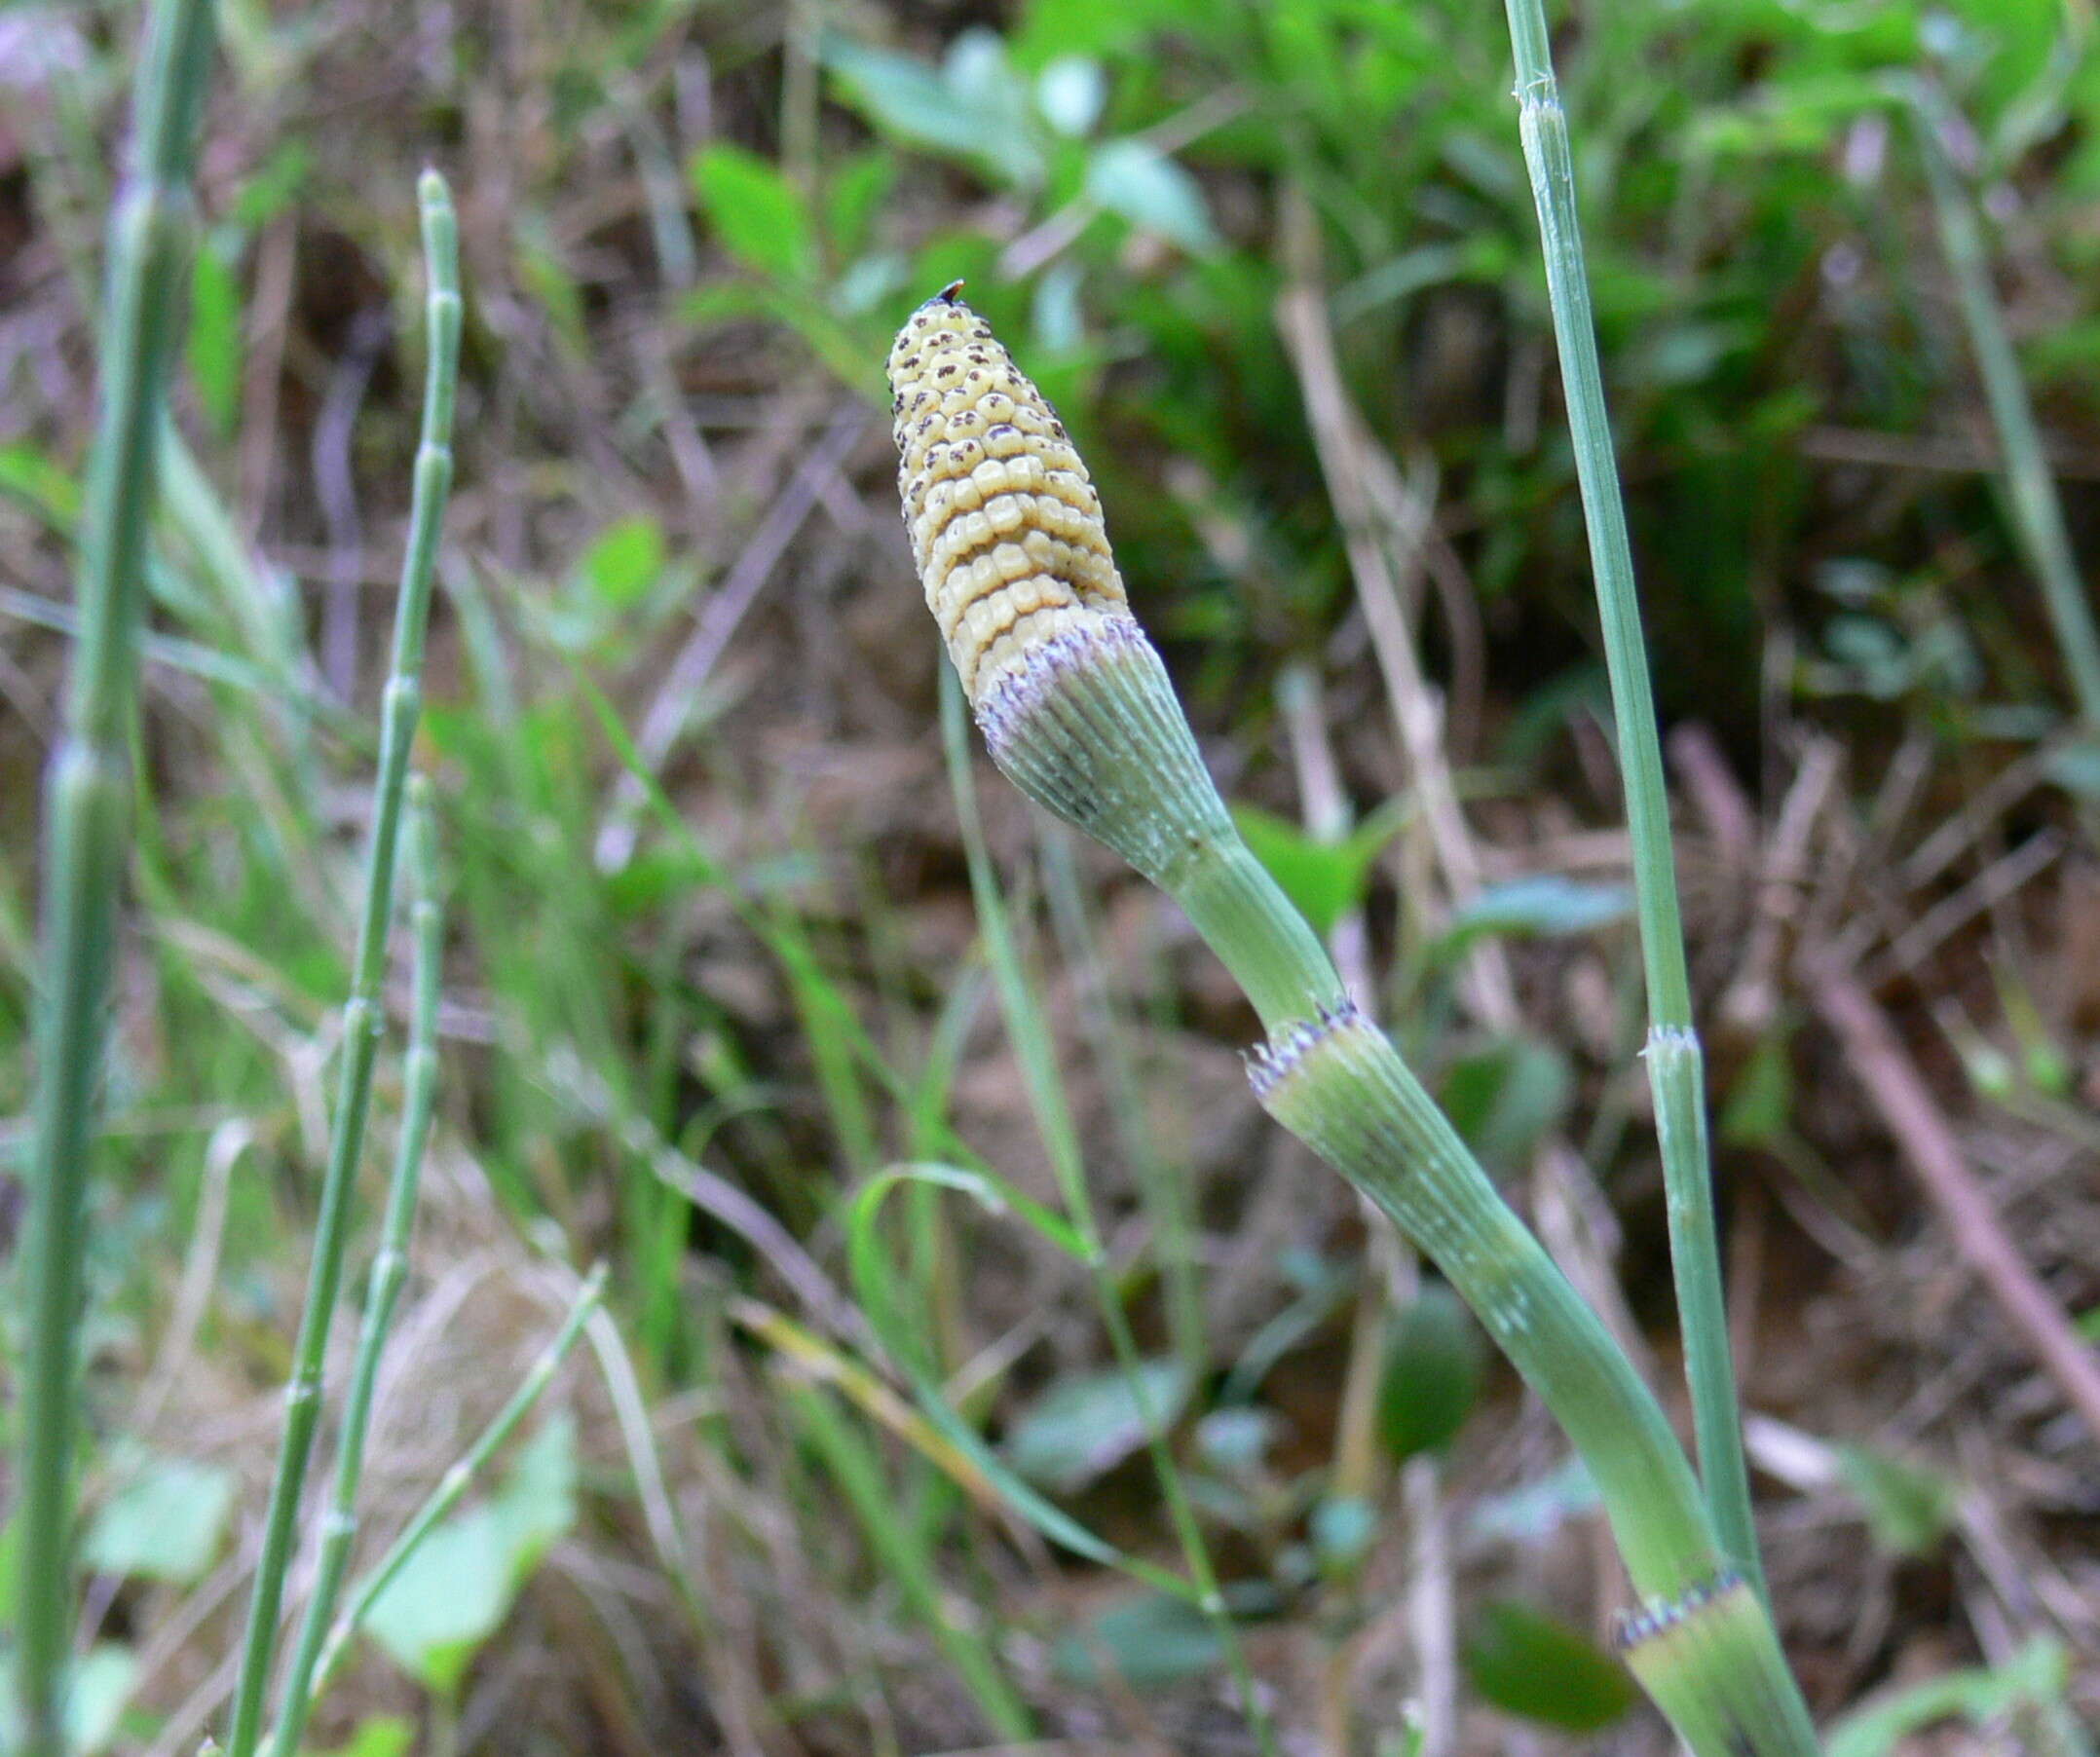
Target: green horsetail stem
point(1076, 709)
point(87, 828)
point(390, 1271)
point(1676, 1066)
point(364, 1012)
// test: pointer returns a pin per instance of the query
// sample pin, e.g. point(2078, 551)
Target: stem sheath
point(1675, 1073)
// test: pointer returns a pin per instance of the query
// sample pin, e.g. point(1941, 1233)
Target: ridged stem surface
point(87, 819)
point(1675, 1074)
point(363, 1019)
point(2038, 513)
point(1077, 710)
point(1713, 1663)
point(1091, 729)
point(389, 1269)
point(1341, 1086)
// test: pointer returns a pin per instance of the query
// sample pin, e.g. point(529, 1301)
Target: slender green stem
point(454, 1483)
point(2038, 514)
point(363, 1017)
point(87, 798)
point(389, 1269)
point(1080, 736)
point(1675, 1074)
point(1053, 1121)
point(1335, 1081)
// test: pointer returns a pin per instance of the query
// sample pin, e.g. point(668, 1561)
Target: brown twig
point(1884, 1066)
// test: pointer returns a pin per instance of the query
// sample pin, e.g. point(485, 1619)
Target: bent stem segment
point(1076, 709)
point(1676, 1069)
point(1087, 725)
point(363, 1017)
point(87, 817)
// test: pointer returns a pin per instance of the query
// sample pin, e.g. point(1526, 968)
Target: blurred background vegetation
point(712, 961)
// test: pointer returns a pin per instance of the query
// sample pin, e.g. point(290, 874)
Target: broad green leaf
point(624, 560)
point(1407, 1739)
point(456, 1588)
point(870, 283)
point(1504, 1099)
point(1235, 1440)
point(1070, 93)
point(1152, 1641)
point(1140, 183)
point(1085, 1425)
point(1054, 315)
point(2037, 1673)
point(1326, 879)
point(858, 186)
point(164, 1523)
point(34, 476)
point(1542, 904)
point(1908, 1508)
point(548, 277)
point(450, 1597)
point(272, 187)
point(1048, 29)
point(1761, 1103)
point(1433, 1366)
point(382, 1735)
point(877, 1281)
point(1343, 1529)
point(756, 213)
point(98, 1686)
point(974, 107)
point(1527, 1661)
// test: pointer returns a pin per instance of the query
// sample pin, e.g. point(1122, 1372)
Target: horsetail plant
point(363, 1014)
point(1675, 1062)
point(389, 1269)
point(1076, 709)
point(87, 817)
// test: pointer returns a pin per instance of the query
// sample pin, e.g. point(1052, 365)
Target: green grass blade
point(2037, 511)
point(86, 825)
point(1162, 1186)
point(877, 1281)
point(1028, 1031)
point(857, 1470)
